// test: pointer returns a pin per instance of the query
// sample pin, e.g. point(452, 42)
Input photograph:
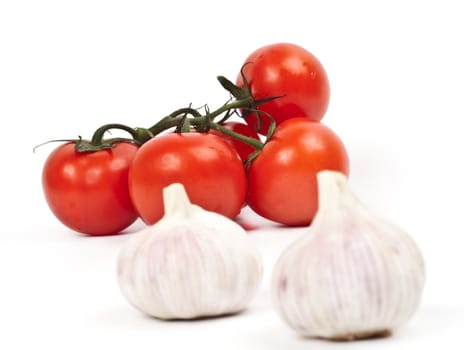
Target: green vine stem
point(188, 118)
point(173, 120)
point(97, 138)
point(242, 100)
point(97, 142)
point(185, 119)
point(245, 139)
point(205, 122)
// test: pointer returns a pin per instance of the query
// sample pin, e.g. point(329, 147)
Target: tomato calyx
point(244, 94)
point(98, 142)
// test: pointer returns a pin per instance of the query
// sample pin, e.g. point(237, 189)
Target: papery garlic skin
point(353, 275)
point(192, 263)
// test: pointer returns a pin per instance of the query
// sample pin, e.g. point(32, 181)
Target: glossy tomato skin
point(244, 150)
point(88, 192)
point(208, 167)
point(287, 70)
point(282, 183)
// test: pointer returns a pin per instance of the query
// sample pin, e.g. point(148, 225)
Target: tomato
point(209, 168)
point(244, 150)
point(88, 192)
point(282, 183)
point(287, 70)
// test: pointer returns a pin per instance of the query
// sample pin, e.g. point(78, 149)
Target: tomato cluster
point(282, 91)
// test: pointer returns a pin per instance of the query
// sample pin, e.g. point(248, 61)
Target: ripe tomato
point(88, 192)
point(290, 71)
point(282, 184)
point(208, 167)
point(244, 150)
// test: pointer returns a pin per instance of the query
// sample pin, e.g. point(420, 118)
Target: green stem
point(97, 143)
point(173, 119)
point(245, 139)
point(97, 138)
point(176, 117)
point(232, 105)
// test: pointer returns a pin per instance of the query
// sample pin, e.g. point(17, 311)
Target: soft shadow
point(429, 322)
point(360, 337)
point(198, 319)
point(125, 315)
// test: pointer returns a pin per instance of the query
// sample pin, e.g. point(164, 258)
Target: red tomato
point(282, 183)
point(244, 150)
point(88, 192)
point(290, 71)
point(209, 168)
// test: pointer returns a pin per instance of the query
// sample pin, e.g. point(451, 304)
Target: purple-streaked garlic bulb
point(192, 263)
point(353, 275)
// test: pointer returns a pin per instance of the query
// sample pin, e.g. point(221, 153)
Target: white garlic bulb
point(192, 263)
point(352, 275)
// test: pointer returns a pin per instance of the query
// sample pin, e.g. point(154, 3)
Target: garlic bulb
point(352, 275)
point(192, 263)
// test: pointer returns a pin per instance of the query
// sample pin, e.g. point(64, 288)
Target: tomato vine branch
point(187, 119)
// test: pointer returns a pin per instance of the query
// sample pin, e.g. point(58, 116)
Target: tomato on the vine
point(244, 150)
point(209, 168)
point(290, 71)
point(282, 184)
point(88, 191)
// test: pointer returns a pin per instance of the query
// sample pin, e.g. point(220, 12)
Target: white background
point(66, 67)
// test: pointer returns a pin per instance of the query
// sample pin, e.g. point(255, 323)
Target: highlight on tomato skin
point(88, 191)
point(290, 71)
point(209, 168)
point(282, 183)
